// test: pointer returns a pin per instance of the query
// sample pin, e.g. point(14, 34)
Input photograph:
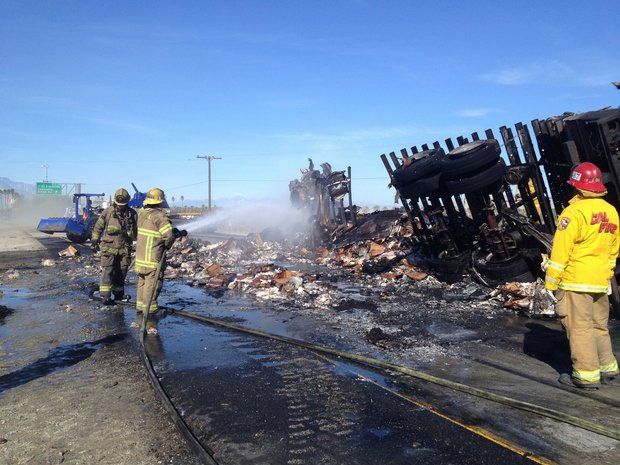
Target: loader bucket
point(62, 225)
point(53, 225)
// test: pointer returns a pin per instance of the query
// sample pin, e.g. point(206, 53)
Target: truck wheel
point(515, 269)
point(425, 164)
point(469, 158)
point(78, 239)
point(420, 188)
point(476, 182)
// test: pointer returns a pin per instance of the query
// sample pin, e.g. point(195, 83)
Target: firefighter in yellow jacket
point(155, 237)
point(580, 269)
point(113, 235)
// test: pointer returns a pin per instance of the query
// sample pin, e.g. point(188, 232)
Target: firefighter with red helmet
point(580, 269)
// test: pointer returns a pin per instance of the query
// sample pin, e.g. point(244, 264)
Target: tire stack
point(473, 167)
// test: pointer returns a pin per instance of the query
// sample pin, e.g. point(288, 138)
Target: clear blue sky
point(112, 92)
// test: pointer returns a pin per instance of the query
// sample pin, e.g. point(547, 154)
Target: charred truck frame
point(323, 194)
point(490, 205)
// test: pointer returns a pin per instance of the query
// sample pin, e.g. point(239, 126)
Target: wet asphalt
point(255, 401)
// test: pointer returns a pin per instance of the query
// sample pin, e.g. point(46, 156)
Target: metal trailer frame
point(454, 221)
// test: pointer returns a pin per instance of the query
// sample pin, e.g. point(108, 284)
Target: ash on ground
point(365, 282)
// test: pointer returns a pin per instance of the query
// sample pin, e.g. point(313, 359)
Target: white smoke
point(250, 216)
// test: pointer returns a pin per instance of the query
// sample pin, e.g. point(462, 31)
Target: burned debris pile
point(530, 298)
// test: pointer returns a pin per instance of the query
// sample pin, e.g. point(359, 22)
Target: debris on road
point(48, 262)
point(10, 275)
point(70, 251)
point(528, 298)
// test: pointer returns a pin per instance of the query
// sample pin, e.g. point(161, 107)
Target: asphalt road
point(261, 402)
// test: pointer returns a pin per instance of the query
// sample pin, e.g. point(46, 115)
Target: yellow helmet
point(121, 197)
point(155, 197)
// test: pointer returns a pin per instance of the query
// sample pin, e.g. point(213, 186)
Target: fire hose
point(202, 453)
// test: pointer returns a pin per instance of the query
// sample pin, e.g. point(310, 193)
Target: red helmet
point(587, 177)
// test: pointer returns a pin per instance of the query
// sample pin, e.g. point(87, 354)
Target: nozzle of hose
point(178, 233)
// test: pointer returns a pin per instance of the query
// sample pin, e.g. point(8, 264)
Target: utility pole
point(46, 168)
point(209, 158)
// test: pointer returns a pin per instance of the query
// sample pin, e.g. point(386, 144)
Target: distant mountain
point(21, 188)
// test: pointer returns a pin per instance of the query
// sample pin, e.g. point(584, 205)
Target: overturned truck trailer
point(490, 205)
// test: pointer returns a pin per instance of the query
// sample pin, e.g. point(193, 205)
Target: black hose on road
point(202, 453)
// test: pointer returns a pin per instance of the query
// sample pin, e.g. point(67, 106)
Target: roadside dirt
point(72, 387)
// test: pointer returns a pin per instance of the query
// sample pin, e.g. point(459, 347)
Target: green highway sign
point(49, 188)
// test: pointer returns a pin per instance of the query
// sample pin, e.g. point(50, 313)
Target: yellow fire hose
point(517, 404)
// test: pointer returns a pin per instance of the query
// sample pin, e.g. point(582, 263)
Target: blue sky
point(112, 92)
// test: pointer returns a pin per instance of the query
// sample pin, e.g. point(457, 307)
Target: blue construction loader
point(138, 199)
point(79, 226)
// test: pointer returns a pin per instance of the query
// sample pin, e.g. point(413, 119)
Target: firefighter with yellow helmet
point(580, 269)
point(155, 237)
point(113, 235)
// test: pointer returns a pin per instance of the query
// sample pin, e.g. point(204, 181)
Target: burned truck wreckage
point(485, 206)
point(489, 205)
point(322, 194)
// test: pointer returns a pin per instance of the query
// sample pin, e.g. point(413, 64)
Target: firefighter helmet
point(587, 177)
point(121, 197)
point(155, 197)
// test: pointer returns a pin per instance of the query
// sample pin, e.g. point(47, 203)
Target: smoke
point(251, 216)
point(29, 210)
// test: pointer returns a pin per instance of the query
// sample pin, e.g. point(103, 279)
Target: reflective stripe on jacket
point(115, 230)
point(154, 238)
point(585, 247)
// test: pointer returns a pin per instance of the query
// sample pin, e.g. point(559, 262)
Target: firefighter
point(113, 235)
point(580, 269)
point(155, 236)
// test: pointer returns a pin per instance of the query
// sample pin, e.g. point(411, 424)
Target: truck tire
point(451, 266)
point(515, 269)
point(470, 158)
point(420, 188)
point(485, 177)
point(426, 163)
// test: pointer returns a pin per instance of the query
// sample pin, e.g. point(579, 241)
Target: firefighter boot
point(121, 297)
point(608, 379)
point(568, 380)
